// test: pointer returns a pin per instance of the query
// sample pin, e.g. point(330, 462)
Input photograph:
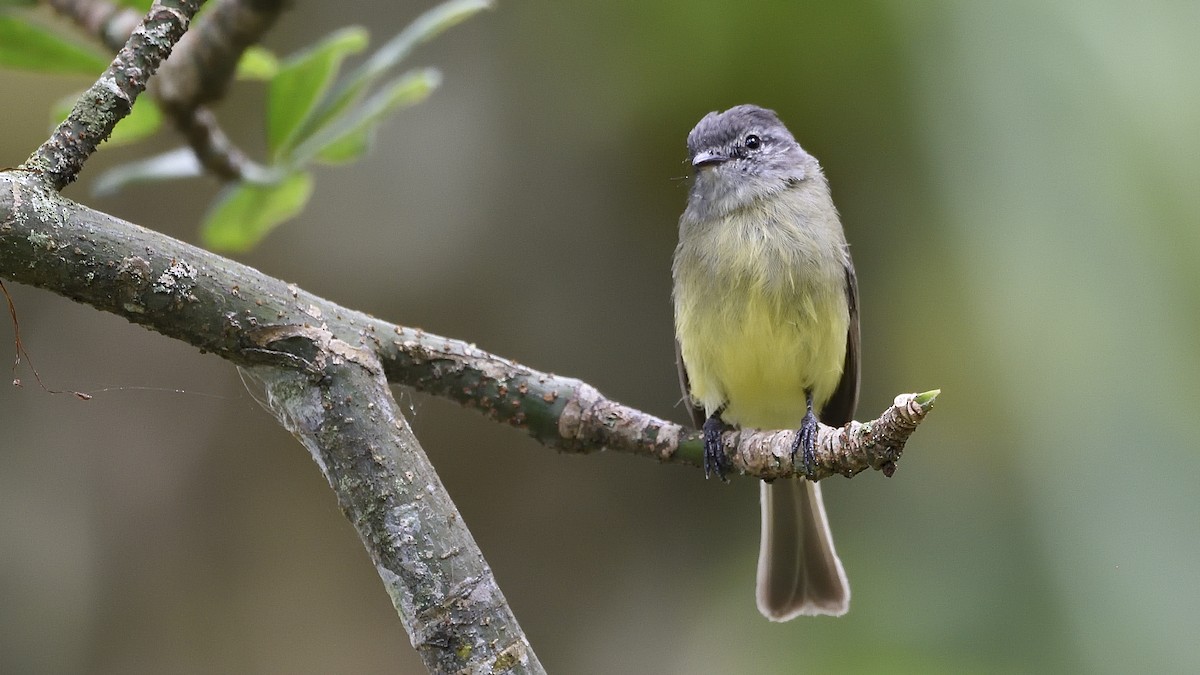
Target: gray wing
point(696, 412)
point(840, 408)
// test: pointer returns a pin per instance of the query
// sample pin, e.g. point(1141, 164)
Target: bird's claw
point(715, 460)
point(806, 440)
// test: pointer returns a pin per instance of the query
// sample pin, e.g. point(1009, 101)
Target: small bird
point(767, 332)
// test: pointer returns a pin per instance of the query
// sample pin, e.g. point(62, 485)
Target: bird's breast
point(762, 316)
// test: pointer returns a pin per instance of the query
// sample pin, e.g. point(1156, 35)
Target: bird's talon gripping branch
point(715, 461)
point(806, 439)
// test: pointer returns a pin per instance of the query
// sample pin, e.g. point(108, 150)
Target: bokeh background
point(1019, 182)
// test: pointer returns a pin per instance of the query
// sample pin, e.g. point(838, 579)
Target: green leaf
point(347, 148)
point(347, 138)
point(926, 399)
point(170, 165)
point(141, 6)
point(143, 120)
point(424, 28)
point(257, 63)
point(28, 46)
point(245, 213)
point(301, 83)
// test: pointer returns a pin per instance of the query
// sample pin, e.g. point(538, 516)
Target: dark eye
point(752, 142)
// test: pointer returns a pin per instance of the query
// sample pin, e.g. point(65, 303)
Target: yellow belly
point(757, 357)
point(761, 310)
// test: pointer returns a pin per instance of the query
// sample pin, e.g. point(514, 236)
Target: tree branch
point(340, 407)
point(106, 102)
point(199, 70)
point(321, 365)
point(216, 304)
point(325, 369)
point(203, 64)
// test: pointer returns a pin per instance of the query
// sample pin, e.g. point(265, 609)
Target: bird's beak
point(708, 158)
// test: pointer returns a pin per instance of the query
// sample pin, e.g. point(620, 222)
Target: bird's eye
point(753, 141)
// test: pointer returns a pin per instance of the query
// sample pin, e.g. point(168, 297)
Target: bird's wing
point(840, 408)
point(697, 413)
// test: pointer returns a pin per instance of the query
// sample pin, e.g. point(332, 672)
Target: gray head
point(742, 155)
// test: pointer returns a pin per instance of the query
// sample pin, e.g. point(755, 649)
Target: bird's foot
point(806, 441)
point(715, 460)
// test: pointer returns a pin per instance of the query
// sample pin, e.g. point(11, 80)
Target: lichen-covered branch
point(215, 304)
point(570, 415)
point(199, 70)
point(106, 102)
point(319, 365)
point(340, 407)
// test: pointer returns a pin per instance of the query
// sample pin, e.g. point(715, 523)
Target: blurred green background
point(1019, 183)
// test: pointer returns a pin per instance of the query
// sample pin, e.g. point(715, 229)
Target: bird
point(767, 332)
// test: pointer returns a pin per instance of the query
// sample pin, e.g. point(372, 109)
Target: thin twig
point(199, 71)
point(19, 352)
point(110, 99)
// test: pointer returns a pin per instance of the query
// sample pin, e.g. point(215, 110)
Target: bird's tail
point(799, 572)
